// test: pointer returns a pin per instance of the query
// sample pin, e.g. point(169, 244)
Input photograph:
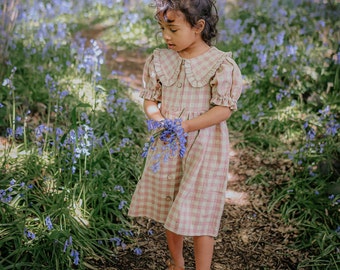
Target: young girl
point(200, 84)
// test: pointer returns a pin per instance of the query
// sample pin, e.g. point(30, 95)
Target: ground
point(250, 236)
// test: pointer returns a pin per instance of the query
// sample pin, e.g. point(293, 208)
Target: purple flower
point(311, 134)
point(119, 188)
point(171, 133)
point(138, 251)
point(48, 223)
point(117, 241)
point(19, 131)
point(67, 243)
point(75, 255)
point(29, 234)
point(122, 204)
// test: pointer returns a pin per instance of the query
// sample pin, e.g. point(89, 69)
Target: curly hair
point(193, 10)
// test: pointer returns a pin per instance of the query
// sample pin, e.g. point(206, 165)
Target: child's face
point(178, 34)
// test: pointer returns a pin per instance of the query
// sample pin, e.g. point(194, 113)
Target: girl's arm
point(152, 111)
point(214, 116)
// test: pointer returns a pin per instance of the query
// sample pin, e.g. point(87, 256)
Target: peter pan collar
point(199, 70)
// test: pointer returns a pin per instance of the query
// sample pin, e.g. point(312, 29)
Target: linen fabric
point(188, 194)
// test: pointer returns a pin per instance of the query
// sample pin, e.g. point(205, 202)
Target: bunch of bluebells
point(174, 139)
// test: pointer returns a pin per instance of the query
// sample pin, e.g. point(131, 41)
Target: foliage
point(71, 147)
point(289, 55)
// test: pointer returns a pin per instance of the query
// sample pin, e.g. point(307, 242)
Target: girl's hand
point(185, 126)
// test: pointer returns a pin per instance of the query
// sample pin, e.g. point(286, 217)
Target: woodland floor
point(250, 236)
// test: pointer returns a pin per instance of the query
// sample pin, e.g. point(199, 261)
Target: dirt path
point(249, 238)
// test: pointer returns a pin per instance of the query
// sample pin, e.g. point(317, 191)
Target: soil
point(250, 236)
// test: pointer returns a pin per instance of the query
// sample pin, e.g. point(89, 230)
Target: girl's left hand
point(185, 126)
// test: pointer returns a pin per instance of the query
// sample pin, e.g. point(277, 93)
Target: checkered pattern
point(188, 194)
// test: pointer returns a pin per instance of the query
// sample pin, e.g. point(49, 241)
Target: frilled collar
point(199, 70)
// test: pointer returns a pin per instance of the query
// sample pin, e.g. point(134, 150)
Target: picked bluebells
point(174, 139)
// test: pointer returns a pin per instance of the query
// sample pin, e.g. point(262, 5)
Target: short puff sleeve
point(227, 84)
point(151, 84)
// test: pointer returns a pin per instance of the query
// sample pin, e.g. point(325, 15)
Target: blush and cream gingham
point(188, 194)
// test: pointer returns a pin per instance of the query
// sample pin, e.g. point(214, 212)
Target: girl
point(200, 84)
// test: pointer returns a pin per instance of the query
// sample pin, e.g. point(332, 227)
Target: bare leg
point(175, 244)
point(204, 249)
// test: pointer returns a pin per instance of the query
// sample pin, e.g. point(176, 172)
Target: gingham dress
point(188, 194)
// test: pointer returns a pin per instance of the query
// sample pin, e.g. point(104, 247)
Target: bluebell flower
point(29, 234)
point(2, 193)
point(305, 125)
point(48, 223)
point(75, 255)
point(19, 131)
point(84, 117)
point(68, 242)
point(9, 131)
point(311, 134)
point(119, 188)
point(117, 241)
point(279, 96)
point(155, 167)
point(122, 204)
point(246, 116)
point(171, 133)
point(1, 105)
point(6, 82)
point(124, 142)
point(138, 251)
point(291, 50)
point(126, 232)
